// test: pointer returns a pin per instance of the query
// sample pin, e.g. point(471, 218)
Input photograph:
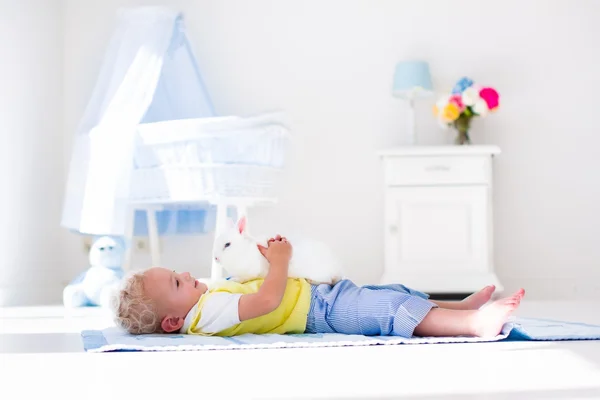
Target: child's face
point(173, 294)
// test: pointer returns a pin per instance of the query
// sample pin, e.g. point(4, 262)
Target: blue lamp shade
point(412, 79)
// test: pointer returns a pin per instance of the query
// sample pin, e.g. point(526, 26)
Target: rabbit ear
point(241, 224)
point(230, 223)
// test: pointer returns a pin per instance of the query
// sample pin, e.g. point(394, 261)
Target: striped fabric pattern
point(372, 310)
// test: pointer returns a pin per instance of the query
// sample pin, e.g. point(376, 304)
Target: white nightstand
point(438, 225)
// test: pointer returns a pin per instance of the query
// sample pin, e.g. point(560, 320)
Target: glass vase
point(462, 125)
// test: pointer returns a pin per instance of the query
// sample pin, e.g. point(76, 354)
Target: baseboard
point(456, 284)
point(554, 288)
point(448, 296)
point(50, 294)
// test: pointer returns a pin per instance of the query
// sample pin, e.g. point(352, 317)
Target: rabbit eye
point(226, 245)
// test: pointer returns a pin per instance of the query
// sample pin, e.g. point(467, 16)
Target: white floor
point(41, 354)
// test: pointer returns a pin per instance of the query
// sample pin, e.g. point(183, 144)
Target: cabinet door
point(438, 229)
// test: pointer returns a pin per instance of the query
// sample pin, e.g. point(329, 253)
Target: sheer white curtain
point(149, 74)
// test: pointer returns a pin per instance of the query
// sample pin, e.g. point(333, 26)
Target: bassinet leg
point(129, 230)
point(216, 272)
point(241, 211)
point(153, 237)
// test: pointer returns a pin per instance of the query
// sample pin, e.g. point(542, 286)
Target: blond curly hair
point(133, 310)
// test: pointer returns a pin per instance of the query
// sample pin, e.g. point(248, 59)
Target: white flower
point(480, 108)
point(438, 108)
point(470, 96)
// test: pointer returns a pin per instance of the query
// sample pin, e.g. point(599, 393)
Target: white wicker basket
point(188, 183)
point(191, 159)
point(194, 141)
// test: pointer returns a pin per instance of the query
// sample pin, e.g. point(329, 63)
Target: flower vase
point(462, 125)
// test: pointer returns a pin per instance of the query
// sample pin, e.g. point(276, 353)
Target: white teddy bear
point(94, 286)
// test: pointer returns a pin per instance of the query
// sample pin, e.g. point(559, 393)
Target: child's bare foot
point(476, 300)
point(488, 321)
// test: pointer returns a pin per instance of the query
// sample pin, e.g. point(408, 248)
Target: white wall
point(31, 137)
point(330, 65)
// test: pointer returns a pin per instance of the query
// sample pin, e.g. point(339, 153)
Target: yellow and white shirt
point(216, 312)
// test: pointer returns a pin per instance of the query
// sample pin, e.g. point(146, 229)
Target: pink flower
point(456, 99)
point(491, 97)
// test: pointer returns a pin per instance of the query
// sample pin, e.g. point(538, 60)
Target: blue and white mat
point(114, 339)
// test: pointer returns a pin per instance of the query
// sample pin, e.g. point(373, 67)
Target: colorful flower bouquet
point(467, 100)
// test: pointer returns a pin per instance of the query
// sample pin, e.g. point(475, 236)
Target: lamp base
point(412, 132)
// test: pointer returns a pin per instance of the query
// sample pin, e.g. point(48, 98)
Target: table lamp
point(412, 81)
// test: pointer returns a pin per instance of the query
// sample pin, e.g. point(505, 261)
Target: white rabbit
point(237, 252)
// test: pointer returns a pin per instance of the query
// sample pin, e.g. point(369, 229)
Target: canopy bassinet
point(150, 140)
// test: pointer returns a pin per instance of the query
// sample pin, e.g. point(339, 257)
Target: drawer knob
point(432, 168)
point(393, 228)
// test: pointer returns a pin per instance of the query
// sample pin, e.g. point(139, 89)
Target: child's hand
point(279, 250)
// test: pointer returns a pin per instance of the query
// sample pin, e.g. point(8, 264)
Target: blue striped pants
point(372, 310)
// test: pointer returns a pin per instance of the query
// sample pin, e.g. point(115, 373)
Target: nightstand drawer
point(436, 170)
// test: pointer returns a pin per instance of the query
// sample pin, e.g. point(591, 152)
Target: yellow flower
point(450, 112)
